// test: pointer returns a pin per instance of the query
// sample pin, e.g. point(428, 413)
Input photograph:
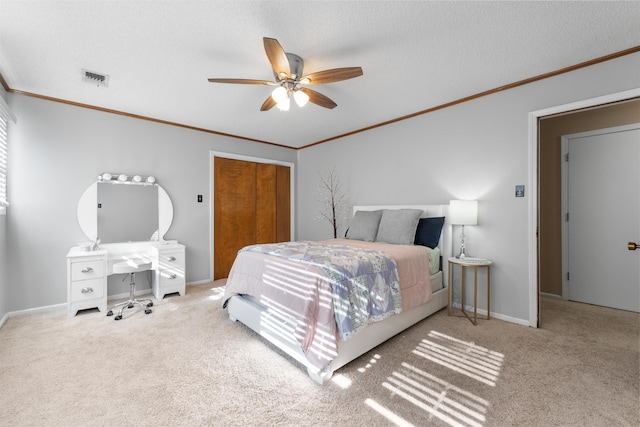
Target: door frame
point(564, 193)
point(533, 200)
point(292, 194)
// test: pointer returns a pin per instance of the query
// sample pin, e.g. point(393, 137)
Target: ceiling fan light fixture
point(284, 105)
point(279, 94)
point(301, 98)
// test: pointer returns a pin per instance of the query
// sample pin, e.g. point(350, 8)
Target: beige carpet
point(186, 364)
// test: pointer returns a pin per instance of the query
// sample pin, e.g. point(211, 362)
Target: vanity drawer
point(87, 289)
point(173, 259)
point(171, 276)
point(84, 270)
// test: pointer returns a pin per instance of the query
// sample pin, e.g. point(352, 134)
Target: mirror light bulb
point(122, 178)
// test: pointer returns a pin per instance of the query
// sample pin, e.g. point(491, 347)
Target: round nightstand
point(475, 263)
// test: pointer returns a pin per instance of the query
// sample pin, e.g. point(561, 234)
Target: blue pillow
point(428, 231)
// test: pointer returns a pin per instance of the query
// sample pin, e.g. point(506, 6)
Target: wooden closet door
point(283, 204)
point(252, 204)
point(234, 211)
point(265, 203)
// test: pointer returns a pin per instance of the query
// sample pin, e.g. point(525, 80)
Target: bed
point(312, 309)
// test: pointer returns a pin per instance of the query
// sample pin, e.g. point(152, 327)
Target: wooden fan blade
point(277, 57)
point(318, 98)
point(330, 76)
point(268, 104)
point(243, 81)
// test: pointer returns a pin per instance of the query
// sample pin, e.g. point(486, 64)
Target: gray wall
point(475, 150)
point(58, 150)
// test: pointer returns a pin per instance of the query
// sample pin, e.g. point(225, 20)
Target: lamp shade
point(463, 212)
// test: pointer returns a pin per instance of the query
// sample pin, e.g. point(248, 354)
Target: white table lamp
point(463, 212)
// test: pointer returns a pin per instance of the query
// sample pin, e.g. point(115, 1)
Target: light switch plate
point(519, 190)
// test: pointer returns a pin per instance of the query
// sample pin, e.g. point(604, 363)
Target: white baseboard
point(45, 309)
point(63, 306)
point(199, 282)
point(4, 319)
point(494, 315)
point(137, 292)
point(544, 294)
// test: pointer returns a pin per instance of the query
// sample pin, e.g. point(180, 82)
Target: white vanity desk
point(87, 270)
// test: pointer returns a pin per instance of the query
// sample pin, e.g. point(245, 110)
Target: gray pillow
point(398, 226)
point(364, 226)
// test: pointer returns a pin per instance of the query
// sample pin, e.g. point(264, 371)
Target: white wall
point(476, 150)
point(58, 150)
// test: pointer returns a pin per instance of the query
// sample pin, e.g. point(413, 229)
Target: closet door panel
point(283, 204)
point(234, 211)
point(265, 203)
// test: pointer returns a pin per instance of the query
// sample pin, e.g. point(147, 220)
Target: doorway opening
point(544, 165)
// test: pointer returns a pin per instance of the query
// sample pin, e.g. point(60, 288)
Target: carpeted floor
point(186, 364)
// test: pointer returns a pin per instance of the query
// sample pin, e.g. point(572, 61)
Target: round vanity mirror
point(116, 212)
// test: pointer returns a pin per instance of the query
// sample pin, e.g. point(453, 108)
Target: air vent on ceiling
point(94, 78)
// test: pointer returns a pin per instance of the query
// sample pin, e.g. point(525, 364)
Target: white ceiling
point(415, 55)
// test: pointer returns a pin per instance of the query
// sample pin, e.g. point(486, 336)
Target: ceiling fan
point(287, 69)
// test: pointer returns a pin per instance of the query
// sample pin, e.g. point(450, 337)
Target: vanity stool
point(131, 267)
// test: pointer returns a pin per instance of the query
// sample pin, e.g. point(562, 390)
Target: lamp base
point(461, 255)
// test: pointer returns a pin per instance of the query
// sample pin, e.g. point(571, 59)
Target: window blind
point(3, 163)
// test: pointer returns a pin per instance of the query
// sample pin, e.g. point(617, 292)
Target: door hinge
point(567, 275)
point(567, 217)
point(566, 157)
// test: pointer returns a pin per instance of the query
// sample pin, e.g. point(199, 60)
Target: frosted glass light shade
point(301, 98)
point(284, 105)
point(463, 212)
point(281, 96)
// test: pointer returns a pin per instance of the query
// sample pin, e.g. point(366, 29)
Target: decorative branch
point(333, 199)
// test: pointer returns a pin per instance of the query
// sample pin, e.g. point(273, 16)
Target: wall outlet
point(199, 198)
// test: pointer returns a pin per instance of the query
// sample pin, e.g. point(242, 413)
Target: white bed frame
point(253, 314)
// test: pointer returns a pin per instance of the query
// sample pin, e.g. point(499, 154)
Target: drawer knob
point(87, 290)
point(171, 258)
point(87, 270)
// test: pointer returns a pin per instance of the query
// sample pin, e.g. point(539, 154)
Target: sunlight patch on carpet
point(388, 414)
point(217, 293)
point(439, 398)
point(463, 357)
point(369, 364)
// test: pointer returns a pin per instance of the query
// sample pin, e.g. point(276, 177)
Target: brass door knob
point(633, 246)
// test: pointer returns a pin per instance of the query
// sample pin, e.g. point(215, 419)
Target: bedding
point(364, 281)
point(300, 292)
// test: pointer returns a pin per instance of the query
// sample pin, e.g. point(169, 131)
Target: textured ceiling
point(415, 55)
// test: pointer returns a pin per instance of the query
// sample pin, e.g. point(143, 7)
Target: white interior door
point(602, 199)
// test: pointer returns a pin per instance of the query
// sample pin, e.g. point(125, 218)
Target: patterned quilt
point(364, 281)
